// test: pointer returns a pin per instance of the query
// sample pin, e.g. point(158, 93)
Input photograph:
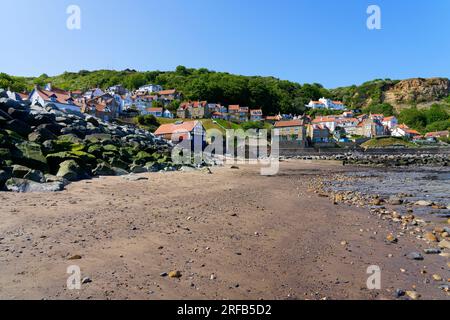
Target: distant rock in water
point(42, 148)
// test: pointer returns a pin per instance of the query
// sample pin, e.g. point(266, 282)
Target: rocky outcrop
point(43, 148)
point(417, 91)
point(383, 160)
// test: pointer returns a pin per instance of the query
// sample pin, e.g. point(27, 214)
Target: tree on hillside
point(414, 118)
point(436, 113)
point(383, 108)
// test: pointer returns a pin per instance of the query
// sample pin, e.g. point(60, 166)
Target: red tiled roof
point(154, 109)
point(167, 92)
point(290, 123)
point(437, 134)
point(176, 128)
point(234, 107)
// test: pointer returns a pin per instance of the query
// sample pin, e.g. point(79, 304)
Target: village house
point(157, 112)
point(180, 131)
point(192, 110)
point(167, 114)
point(233, 112)
point(324, 103)
point(149, 89)
point(238, 114)
point(142, 102)
point(256, 115)
point(318, 133)
point(273, 119)
point(349, 125)
point(403, 131)
point(370, 128)
point(117, 89)
point(329, 121)
point(62, 99)
point(104, 107)
point(292, 130)
point(437, 134)
point(167, 96)
point(390, 122)
point(17, 96)
point(93, 93)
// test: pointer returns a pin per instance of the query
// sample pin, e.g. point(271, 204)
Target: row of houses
point(342, 127)
point(203, 109)
point(107, 105)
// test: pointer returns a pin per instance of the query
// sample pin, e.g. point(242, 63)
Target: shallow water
point(430, 184)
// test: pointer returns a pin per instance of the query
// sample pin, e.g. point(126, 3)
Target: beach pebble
point(175, 274)
point(423, 203)
point(444, 244)
point(430, 237)
point(437, 277)
point(86, 280)
point(399, 293)
point(413, 295)
point(432, 251)
point(391, 238)
point(414, 256)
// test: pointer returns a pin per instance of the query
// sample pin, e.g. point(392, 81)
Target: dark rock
point(432, 251)
point(35, 175)
point(30, 154)
point(19, 171)
point(18, 114)
point(70, 170)
point(103, 169)
point(18, 126)
point(41, 135)
point(414, 256)
point(52, 127)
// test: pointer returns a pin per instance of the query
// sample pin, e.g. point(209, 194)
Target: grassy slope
point(387, 142)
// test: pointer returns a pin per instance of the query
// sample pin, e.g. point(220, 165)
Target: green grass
point(387, 142)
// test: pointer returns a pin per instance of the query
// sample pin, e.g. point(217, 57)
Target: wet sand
point(233, 234)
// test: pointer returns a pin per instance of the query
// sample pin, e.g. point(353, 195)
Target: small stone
point(175, 274)
point(344, 243)
point(235, 167)
point(86, 280)
point(415, 256)
point(432, 251)
point(437, 277)
point(391, 238)
point(399, 293)
point(445, 288)
point(163, 274)
point(423, 203)
point(413, 295)
point(430, 237)
point(444, 244)
point(75, 257)
point(213, 277)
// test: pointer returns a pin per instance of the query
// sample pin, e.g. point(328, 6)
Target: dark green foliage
point(436, 118)
point(252, 125)
point(383, 108)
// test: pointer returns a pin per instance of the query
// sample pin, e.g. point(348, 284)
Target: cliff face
point(418, 91)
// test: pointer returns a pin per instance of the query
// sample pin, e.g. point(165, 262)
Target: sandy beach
point(232, 234)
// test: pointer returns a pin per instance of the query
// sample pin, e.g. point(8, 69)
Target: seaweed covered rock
point(71, 171)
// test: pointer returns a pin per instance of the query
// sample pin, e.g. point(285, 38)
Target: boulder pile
point(42, 148)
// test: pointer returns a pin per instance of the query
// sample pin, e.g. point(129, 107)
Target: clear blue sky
point(323, 41)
